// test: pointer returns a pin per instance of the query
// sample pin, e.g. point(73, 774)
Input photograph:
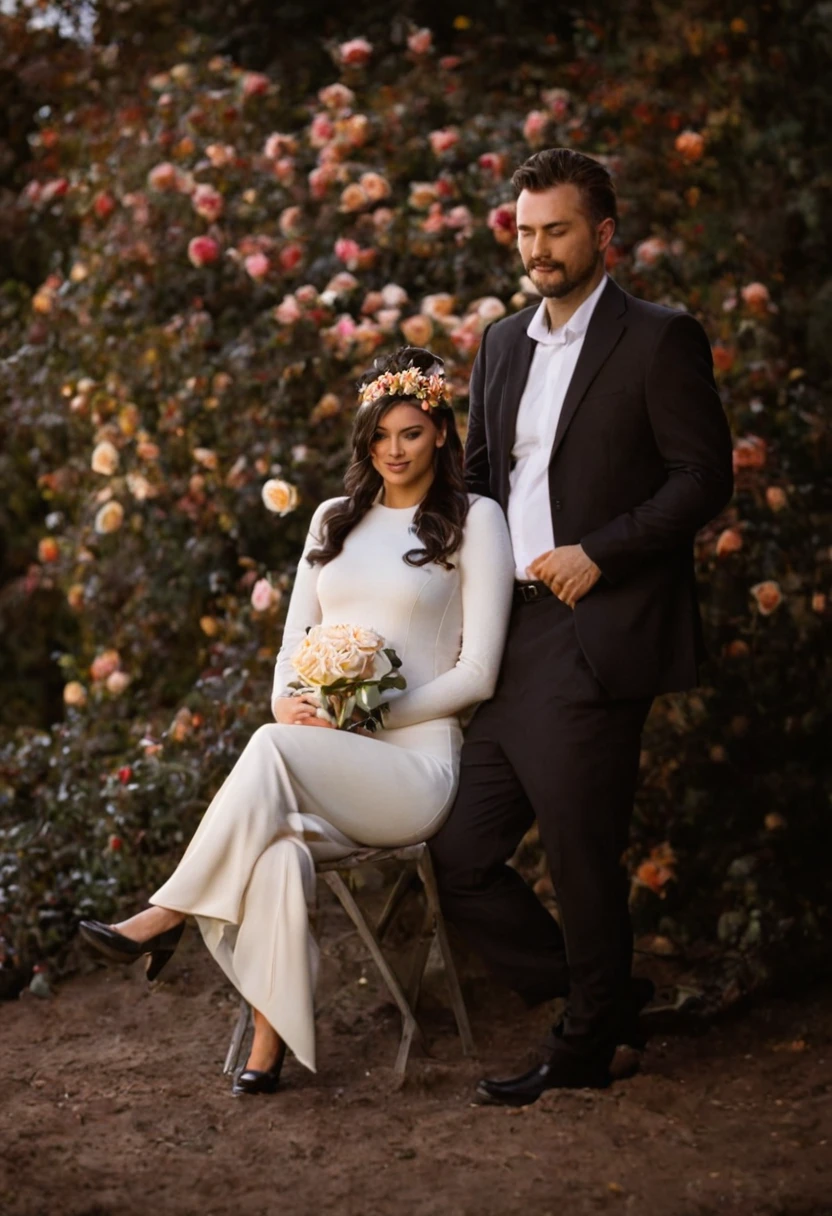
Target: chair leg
point(420, 958)
point(401, 889)
point(237, 1036)
point(428, 877)
point(410, 1027)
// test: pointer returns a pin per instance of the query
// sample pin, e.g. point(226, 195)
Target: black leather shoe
point(560, 1071)
point(117, 948)
point(255, 1081)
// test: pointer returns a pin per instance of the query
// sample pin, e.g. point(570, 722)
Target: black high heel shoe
point(255, 1081)
point(117, 948)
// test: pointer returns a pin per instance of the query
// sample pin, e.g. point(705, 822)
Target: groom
point(595, 422)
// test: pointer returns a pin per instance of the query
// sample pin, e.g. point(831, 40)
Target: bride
point(407, 553)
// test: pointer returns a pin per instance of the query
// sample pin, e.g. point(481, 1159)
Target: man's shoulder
point(651, 314)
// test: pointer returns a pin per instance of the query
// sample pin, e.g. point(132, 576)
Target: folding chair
point(433, 929)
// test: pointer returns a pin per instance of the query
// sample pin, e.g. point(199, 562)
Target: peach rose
point(768, 596)
point(75, 694)
point(723, 356)
point(280, 496)
point(207, 457)
point(48, 550)
point(690, 145)
point(220, 154)
point(146, 450)
point(164, 176)
point(105, 664)
point(353, 198)
point(422, 194)
point(737, 649)
point(375, 186)
point(109, 518)
point(776, 498)
point(356, 51)
point(756, 297)
point(730, 541)
point(117, 683)
point(749, 453)
point(328, 407)
point(775, 822)
point(203, 251)
point(105, 458)
point(819, 602)
point(417, 330)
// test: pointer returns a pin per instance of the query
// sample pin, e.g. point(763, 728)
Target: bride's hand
point(296, 711)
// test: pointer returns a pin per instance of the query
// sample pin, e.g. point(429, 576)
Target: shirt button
point(558, 504)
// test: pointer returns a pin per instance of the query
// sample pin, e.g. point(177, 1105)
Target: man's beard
point(565, 285)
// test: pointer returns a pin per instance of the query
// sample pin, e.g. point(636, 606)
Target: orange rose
point(730, 541)
point(768, 596)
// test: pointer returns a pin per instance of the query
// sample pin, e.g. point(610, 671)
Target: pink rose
point(502, 221)
point(320, 180)
point(443, 140)
point(557, 102)
point(373, 301)
point(493, 163)
point(207, 202)
point(291, 219)
point(353, 198)
point(104, 664)
point(264, 596)
point(257, 265)
point(278, 145)
point(56, 188)
point(307, 295)
point(255, 84)
point(290, 256)
point(756, 297)
point(321, 130)
point(690, 145)
point(284, 170)
point(164, 176)
point(730, 541)
point(768, 597)
point(288, 311)
point(203, 251)
point(393, 295)
point(648, 252)
point(336, 96)
point(534, 128)
point(347, 250)
point(355, 52)
point(420, 42)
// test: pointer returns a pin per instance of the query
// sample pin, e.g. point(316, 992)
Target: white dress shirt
point(553, 362)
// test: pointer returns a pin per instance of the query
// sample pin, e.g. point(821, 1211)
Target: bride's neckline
point(397, 510)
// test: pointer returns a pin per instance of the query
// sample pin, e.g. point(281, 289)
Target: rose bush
point(218, 253)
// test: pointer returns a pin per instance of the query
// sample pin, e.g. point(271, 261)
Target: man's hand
point(567, 571)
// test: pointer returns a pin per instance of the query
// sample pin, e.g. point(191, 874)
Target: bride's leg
point(148, 923)
point(264, 1046)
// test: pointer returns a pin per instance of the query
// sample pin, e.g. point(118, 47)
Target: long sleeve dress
point(297, 794)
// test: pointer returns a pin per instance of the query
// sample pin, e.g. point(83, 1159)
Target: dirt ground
point(113, 1104)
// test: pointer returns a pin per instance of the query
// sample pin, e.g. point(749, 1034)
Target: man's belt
point(527, 593)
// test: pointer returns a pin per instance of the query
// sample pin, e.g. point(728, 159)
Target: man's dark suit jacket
point(641, 460)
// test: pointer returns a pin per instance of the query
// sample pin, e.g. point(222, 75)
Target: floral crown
point(432, 391)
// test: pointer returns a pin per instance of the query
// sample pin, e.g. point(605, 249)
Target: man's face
point(560, 246)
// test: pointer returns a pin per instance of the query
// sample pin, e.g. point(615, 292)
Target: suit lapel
point(517, 373)
point(606, 326)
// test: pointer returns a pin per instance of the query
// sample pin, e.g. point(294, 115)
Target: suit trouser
point(550, 745)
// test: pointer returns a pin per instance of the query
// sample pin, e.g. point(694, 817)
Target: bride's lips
point(398, 468)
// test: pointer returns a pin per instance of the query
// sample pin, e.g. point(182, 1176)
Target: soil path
point(113, 1104)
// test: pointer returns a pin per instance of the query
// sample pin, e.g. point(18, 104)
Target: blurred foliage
point(212, 232)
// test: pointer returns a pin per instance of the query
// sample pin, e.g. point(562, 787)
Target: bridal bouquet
point(348, 669)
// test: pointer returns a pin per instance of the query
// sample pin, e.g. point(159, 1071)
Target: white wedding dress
point(298, 794)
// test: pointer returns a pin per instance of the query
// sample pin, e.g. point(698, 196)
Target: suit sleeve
point(692, 436)
point(477, 466)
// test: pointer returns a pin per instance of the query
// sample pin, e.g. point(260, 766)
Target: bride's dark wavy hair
point(440, 519)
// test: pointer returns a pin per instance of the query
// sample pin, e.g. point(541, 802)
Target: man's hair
point(561, 166)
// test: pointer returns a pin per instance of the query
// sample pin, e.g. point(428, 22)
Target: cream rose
point(280, 496)
point(109, 518)
point(105, 458)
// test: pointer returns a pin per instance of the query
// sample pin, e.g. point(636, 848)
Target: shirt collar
point(575, 327)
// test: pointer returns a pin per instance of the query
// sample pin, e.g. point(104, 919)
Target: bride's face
point(403, 446)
